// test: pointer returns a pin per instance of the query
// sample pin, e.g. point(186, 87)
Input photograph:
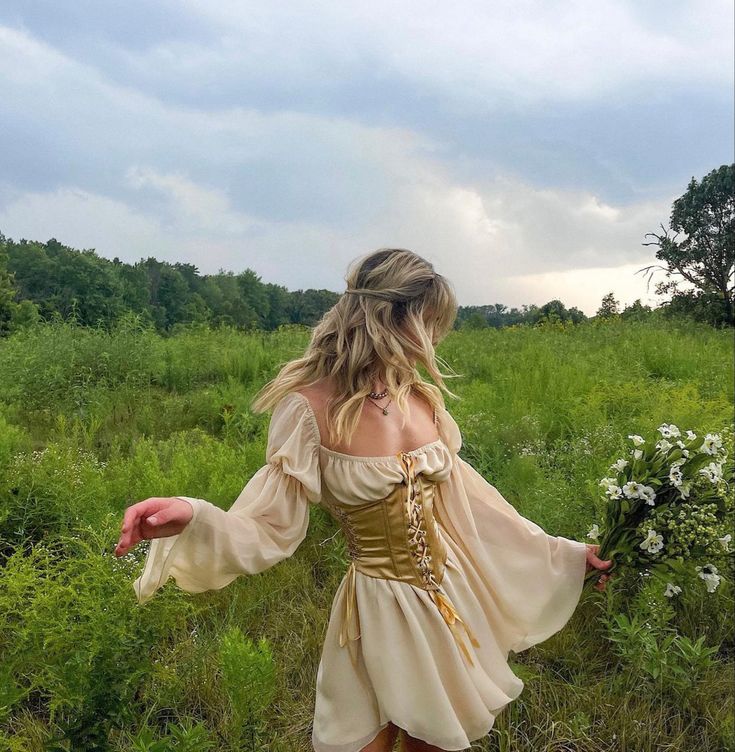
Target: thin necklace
point(384, 409)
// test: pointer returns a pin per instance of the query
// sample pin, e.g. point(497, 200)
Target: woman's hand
point(594, 562)
point(152, 518)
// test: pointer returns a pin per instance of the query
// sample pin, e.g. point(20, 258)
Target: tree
point(609, 307)
point(475, 321)
point(706, 256)
point(7, 291)
point(636, 311)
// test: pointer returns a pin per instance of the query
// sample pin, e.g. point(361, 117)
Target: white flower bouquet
point(668, 503)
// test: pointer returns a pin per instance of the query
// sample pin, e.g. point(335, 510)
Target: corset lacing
point(422, 554)
point(423, 557)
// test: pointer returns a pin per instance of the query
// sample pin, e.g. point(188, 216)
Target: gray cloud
point(232, 134)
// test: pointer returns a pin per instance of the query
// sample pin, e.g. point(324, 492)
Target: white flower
point(691, 435)
point(685, 453)
point(669, 430)
point(637, 454)
point(612, 489)
point(630, 489)
point(712, 444)
point(713, 472)
point(726, 541)
point(663, 445)
point(675, 476)
point(619, 465)
point(671, 590)
point(594, 532)
point(709, 574)
point(653, 542)
point(634, 490)
point(684, 489)
point(637, 440)
point(647, 493)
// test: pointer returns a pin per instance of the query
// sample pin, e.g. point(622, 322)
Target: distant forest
point(47, 281)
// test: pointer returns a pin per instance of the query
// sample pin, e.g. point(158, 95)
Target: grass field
point(91, 422)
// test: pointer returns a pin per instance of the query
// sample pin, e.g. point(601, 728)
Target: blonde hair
point(395, 309)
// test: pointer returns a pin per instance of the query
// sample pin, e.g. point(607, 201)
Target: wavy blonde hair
point(395, 309)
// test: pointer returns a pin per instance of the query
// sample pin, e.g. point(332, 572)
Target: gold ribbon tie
point(349, 631)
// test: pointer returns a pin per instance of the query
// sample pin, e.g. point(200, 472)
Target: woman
point(446, 577)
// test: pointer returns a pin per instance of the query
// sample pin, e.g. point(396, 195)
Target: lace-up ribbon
point(350, 629)
point(419, 518)
point(396, 538)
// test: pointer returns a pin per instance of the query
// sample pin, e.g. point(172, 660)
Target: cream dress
point(512, 583)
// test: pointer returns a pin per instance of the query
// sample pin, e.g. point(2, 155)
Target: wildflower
point(669, 430)
point(653, 542)
point(647, 493)
point(691, 435)
point(726, 541)
point(637, 440)
point(713, 472)
point(619, 465)
point(637, 454)
point(685, 489)
point(634, 490)
point(709, 574)
point(675, 476)
point(605, 482)
point(594, 532)
point(712, 444)
point(630, 489)
point(664, 445)
point(671, 590)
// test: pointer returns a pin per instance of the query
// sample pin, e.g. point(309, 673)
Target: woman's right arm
point(204, 546)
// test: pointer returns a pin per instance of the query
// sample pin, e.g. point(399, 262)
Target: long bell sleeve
point(265, 524)
point(531, 581)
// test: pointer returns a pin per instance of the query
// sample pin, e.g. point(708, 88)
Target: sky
point(525, 148)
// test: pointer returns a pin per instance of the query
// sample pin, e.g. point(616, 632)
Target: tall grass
point(91, 422)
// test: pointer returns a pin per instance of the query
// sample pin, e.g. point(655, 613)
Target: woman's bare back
point(378, 435)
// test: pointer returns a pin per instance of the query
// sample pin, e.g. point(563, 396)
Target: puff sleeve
point(531, 580)
point(265, 524)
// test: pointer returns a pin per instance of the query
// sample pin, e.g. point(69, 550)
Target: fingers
point(602, 581)
point(594, 559)
point(133, 518)
point(162, 516)
point(594, 562)
point(598, 563)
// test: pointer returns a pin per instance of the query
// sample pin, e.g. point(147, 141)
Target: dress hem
point(471, 737)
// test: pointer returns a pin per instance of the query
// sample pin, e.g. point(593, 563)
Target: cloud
point(485, 242)
point(194, 208)
point(585, 286)
point(511, 144)
point(485, 56)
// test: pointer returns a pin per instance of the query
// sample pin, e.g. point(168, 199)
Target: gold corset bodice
point(396, 538)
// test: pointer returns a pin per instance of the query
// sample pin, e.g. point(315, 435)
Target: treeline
point(50, 281)
point(44, 281)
